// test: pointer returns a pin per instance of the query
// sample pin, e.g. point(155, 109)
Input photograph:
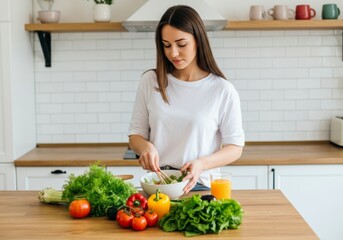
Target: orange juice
point(221, 188)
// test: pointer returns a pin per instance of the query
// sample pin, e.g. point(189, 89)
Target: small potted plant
point(102, 11)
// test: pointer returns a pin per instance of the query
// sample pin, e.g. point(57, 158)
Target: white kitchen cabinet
point(248, 177)
point(7, 176)
point(17, 100)
point(38, 178)
point(4, 83)
point(316, 191)
point(136, 171)
point(17, 108)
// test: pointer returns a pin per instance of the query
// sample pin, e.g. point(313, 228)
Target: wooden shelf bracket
point(45, 42)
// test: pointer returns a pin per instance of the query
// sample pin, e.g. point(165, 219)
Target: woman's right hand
point(149, 160)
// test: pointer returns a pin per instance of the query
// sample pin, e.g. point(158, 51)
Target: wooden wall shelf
point(44, 30)
point(231, 25)
point(75, 27)
point(284, 25)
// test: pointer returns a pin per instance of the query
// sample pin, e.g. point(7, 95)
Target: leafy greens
point(174, 179)
point(194, 216)
point(99, 187)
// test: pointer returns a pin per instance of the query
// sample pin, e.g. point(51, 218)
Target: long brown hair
point(187, 20)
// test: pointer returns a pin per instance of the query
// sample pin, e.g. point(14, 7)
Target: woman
point(186, 115)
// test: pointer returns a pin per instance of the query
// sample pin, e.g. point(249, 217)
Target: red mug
point(304, 12)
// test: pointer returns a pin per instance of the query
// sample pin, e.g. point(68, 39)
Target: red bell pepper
point(137, 200)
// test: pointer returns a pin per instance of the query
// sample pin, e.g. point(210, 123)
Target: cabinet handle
point(58, 172)
point(273, 172)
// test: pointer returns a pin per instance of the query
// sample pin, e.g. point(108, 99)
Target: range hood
point(146, 18)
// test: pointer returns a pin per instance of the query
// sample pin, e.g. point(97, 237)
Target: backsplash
point(290, 83)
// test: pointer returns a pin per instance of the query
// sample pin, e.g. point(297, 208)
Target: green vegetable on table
point(100, 188)
point(195, 216)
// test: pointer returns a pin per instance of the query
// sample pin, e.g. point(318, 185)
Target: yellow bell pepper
point(160, 203)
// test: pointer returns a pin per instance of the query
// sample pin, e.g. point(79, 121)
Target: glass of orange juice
point(221, 185)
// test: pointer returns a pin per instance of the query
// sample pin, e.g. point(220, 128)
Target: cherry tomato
point(151, 217)
point(79, 208)
point(139, 223)
point(125, 219)
point(121, 211)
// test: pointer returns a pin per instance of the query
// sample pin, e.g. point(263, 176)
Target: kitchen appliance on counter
point(336, 130)
point(130, 154)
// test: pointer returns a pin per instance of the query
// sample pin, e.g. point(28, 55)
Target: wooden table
point(268, 215)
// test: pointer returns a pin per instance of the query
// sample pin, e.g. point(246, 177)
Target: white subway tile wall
point(290, 83)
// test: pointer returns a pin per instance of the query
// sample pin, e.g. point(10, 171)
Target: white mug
point(257, 12)
point(281, 12)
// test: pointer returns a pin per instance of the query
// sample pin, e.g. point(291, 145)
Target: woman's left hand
point(194, 169)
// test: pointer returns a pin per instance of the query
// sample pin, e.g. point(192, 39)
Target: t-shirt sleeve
point(140, 118)
point(231, 121)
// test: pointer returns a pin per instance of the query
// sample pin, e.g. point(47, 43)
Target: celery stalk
point(51, 195)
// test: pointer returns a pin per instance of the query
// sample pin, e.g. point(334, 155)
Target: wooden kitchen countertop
point(268, 216)
point(259, 153)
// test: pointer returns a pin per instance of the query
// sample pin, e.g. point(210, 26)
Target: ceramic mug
point(281, 12)
point(330, 11)
point(304, 12)
point(257, 12)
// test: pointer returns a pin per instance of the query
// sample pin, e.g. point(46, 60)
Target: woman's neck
point(190, 74)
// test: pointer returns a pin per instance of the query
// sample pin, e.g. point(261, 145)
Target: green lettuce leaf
point(194, 216)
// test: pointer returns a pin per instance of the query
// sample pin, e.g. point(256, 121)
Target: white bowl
point(174, 190)
point(50, 16)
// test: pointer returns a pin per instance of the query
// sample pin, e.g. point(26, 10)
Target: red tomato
point(79, 208)
point(119, 213)
point(124, 219)
point(151, 217)
point(139, 223)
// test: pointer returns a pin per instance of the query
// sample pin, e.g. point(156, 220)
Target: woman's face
point(179, 47)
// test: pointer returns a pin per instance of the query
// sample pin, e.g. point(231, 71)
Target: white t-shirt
point(201, 116)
